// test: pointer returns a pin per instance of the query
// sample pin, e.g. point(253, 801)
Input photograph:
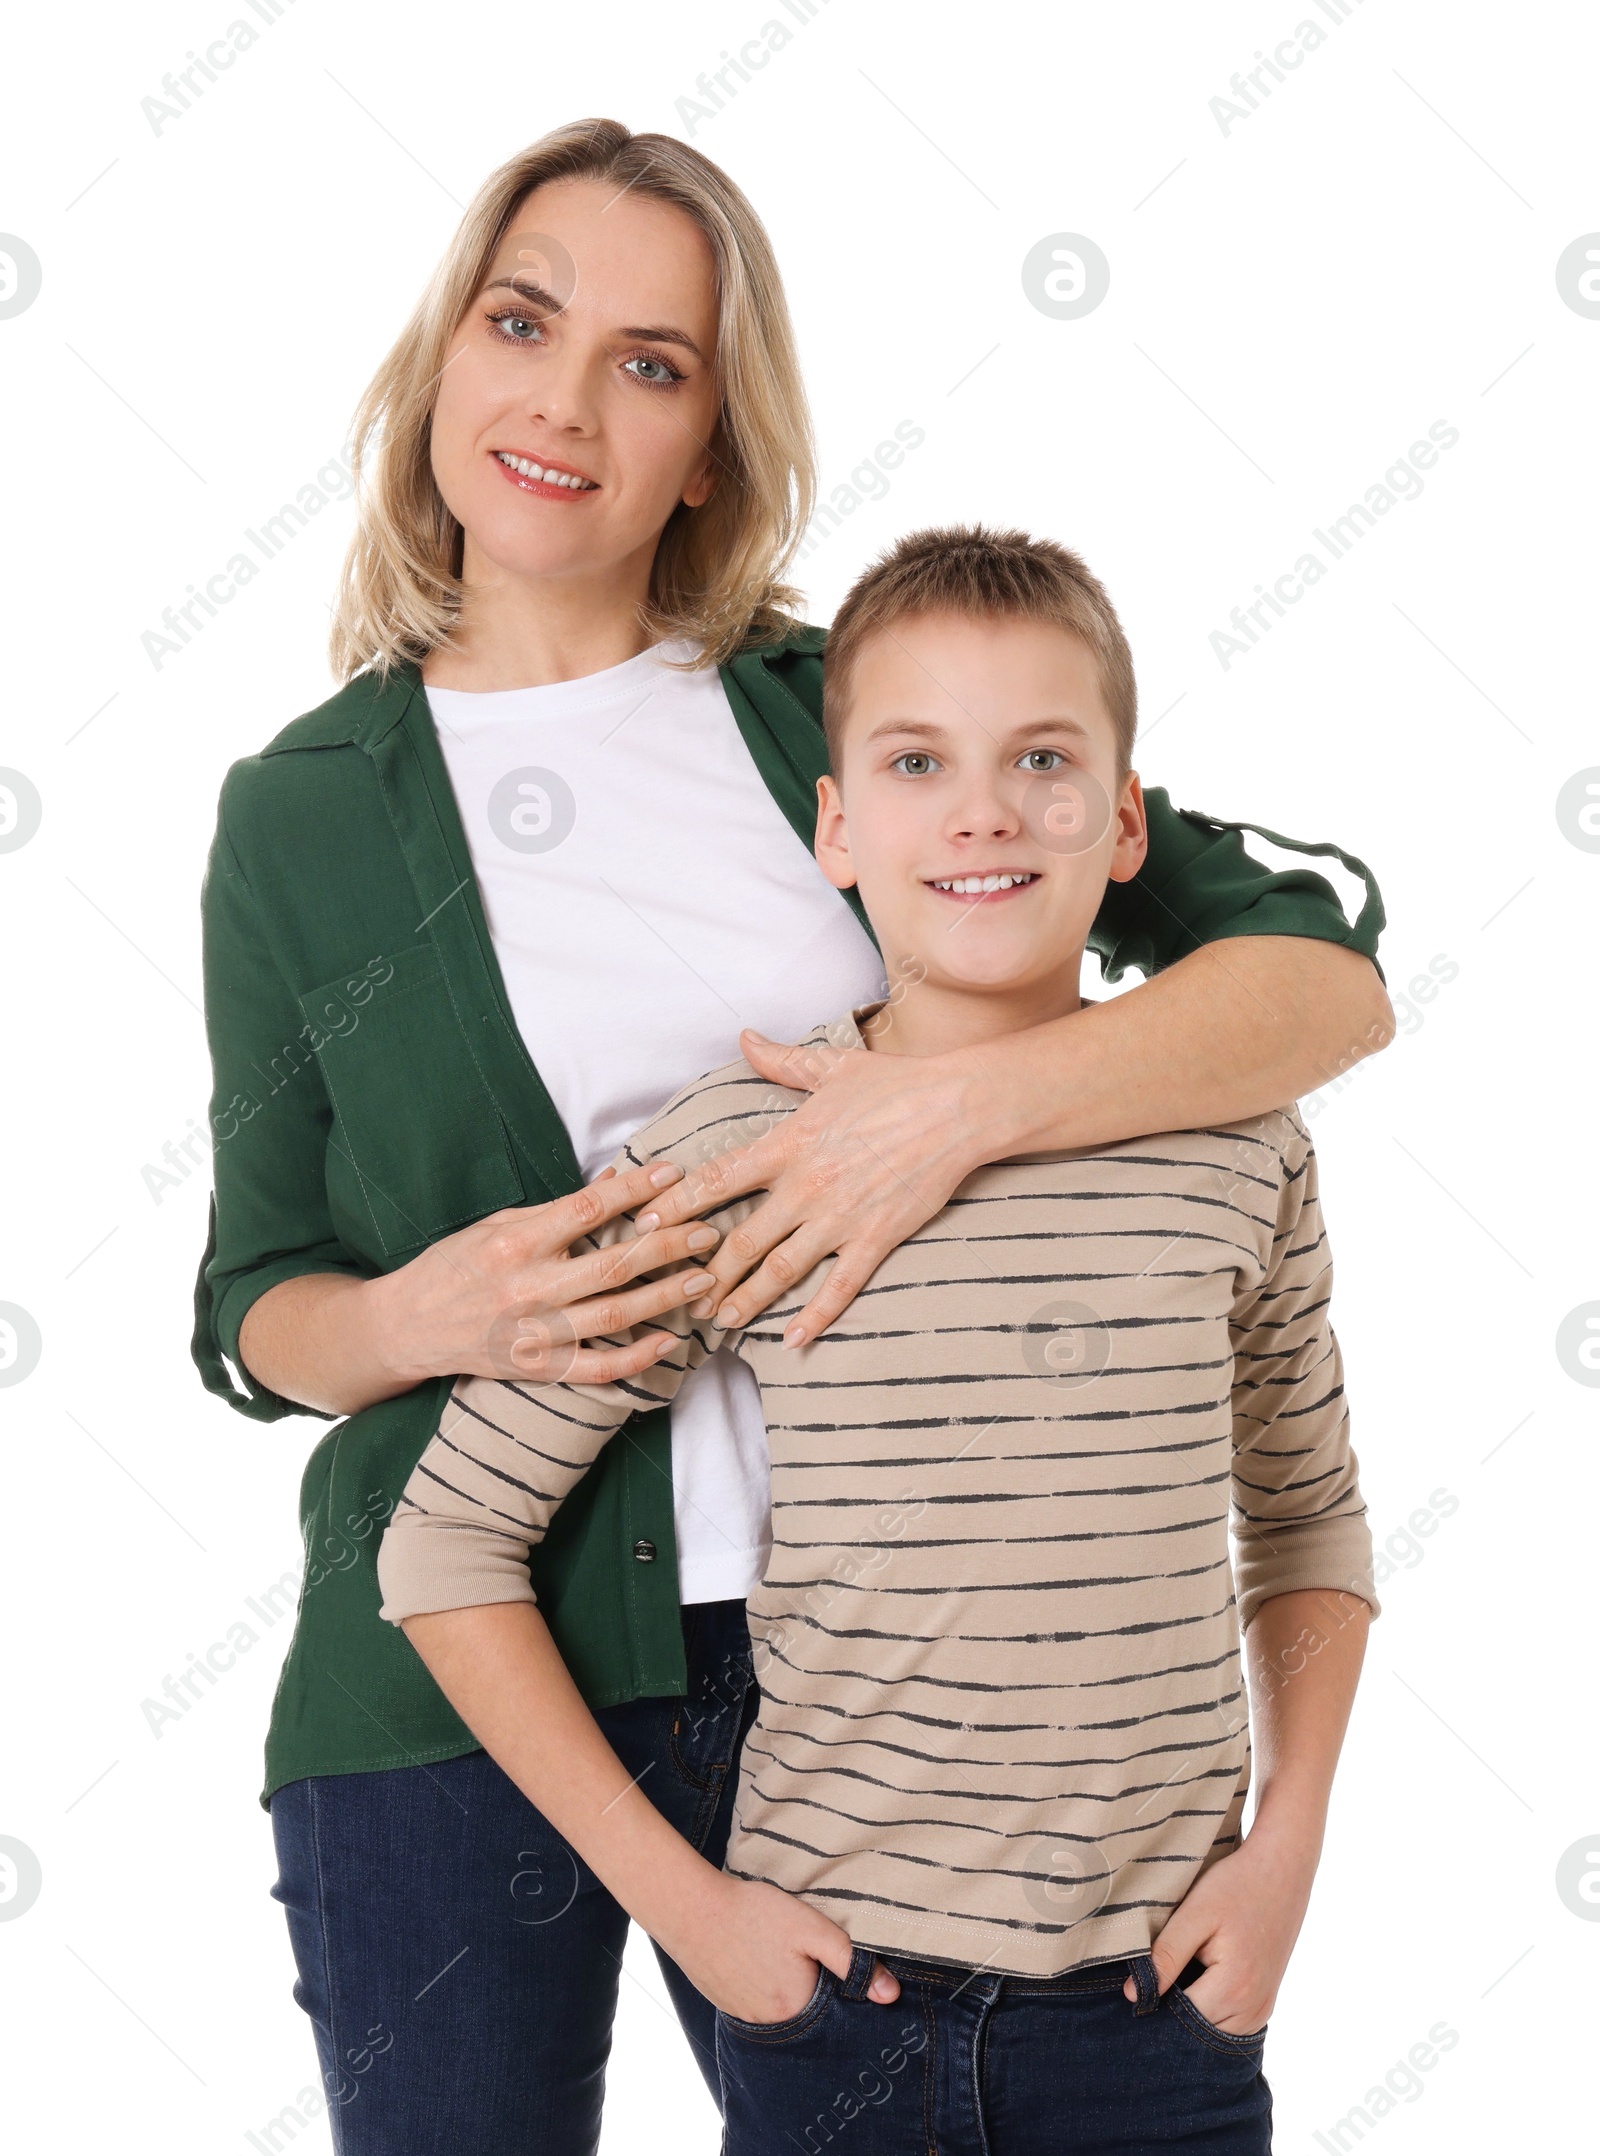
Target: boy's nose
point(990, 816)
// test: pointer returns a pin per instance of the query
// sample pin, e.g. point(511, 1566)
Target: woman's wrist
point(995, 1110)
point(384, 1331)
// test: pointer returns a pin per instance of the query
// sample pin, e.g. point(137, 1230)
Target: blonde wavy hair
point(717, 568)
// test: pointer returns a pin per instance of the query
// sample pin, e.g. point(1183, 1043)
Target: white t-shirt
point(647, 897)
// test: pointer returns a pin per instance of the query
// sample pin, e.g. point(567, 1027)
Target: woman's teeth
point(551, 478)
point(971, 886)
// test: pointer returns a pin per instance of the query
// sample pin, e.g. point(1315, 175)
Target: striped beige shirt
point(1002, 1712)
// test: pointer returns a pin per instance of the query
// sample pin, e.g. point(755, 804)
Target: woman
point(471, 921)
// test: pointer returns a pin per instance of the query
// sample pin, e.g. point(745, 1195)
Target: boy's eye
point(1041, 760)
point(915, 763)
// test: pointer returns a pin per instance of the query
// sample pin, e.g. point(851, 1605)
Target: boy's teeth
point(973, 886)
point(552, 478)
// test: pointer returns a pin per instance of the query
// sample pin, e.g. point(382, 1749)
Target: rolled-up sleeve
point(1298, 1514)
point(1200, 884)
point(270, 1120)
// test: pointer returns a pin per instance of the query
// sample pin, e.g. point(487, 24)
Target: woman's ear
point(698, 490)
point(832, 843)
point(1133, 835)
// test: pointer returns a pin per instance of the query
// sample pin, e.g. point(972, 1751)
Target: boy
point(999, 1768)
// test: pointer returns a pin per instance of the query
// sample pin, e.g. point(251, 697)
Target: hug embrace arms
point(384, 1165)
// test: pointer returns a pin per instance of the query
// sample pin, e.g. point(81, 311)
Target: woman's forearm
point(318, 1340)
point(1233, 1030)
point(503, 1298)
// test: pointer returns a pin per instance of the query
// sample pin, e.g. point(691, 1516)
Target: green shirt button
point(644, 1551)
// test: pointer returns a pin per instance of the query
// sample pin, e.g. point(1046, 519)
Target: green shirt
point(372, 1093)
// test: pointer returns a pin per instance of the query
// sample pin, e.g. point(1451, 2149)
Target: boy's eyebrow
point(1058, 722)
point(527, 288)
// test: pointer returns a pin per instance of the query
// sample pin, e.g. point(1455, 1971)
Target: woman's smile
point(552, 482)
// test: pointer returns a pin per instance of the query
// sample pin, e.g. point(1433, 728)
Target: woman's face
point(588, 352)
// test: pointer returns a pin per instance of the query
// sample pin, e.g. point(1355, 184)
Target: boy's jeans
point(972, 2063)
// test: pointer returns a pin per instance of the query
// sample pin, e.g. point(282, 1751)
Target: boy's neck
point(926, 1018)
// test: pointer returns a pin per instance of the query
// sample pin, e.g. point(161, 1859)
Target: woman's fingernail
point(646, 1221)
point(663, 1174)
point(727, 1316)
point(702, 1238)
point(795, 1335)
point(665, 1345)
point(697, 1283)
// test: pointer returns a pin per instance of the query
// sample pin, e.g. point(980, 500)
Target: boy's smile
point(979, 808)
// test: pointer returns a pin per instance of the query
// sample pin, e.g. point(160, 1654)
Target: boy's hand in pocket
point(754, 1951)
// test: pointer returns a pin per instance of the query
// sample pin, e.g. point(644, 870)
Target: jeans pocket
point(1189, 2015)
point(785, 2032)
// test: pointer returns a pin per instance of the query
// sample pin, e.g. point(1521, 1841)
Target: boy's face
point(980, 749)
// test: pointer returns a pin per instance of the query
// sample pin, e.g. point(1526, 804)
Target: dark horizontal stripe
point(998, 1796)
point(1000, 1587)
point(555, 1458)
point(799, 1801)
point(998, 1377)
point(1009, 1542)
point(1000, 1873)
point(858, 1711)
point(1141, 1628)
point(956, 1917)
point(976, 1687)
point(1188, 1748)
point(883, 1423)
point(1016, 1497)
point(994, 1459)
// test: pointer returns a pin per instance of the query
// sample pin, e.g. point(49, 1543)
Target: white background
point(1292, 303)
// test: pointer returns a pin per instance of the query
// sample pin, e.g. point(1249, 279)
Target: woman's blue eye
point(512, 326)
point(915, 763)
point(1042, 760)
point(664, 376)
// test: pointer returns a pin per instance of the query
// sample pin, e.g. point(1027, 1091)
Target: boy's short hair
point(986, 575)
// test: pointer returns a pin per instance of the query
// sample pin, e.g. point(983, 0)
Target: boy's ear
point(1133, 834)
point(832, 843)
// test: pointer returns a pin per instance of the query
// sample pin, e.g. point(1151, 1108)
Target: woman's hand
point(872, 1155)
point(753, 1951)
point(1242, 1918)
point(503, 1298)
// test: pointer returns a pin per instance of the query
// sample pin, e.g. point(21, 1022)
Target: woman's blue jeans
point(971, 2063)
point(458, 1962)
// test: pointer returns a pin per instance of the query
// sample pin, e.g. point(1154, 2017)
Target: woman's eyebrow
point(666, 336)
point(526, 288)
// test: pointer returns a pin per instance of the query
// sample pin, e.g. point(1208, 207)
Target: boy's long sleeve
point(506, 1453)
point(487, 1487)
point(1299, 1518)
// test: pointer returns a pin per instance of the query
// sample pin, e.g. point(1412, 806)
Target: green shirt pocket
point(417, 1146)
